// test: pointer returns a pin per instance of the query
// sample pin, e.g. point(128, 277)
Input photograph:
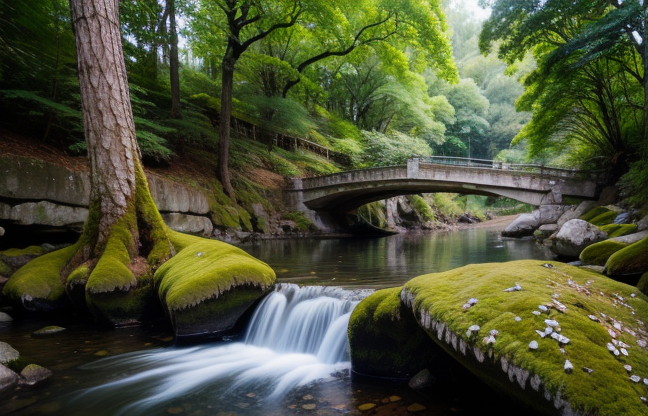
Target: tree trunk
point(227, 77)
point(645, 74)
point(174, 64)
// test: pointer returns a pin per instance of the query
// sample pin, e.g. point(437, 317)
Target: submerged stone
point(556, 388)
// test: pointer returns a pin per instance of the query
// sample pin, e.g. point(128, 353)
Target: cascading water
point(296, 336)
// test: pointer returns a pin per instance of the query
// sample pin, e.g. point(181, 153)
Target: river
point(292, 360)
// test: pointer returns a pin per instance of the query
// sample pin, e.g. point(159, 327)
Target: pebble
point(588, 370)
point(560, 338)
point(473, 328)
point(569, 367)
point(542, 334)
point(628, 367)
point(610, 347)
point(308, 397)
point(642, 343)
point(612, 333)
point(633, 295)
point(551, 322)
point(366, 406)
point(617, 325)
point(548, 330)
point(635, 378)
point(533, 345)
point(489, 340)
point(646, 381)
point(518, 319)
point(536, 313)
point(515, 288)
point(593, 318)
point(415, 407)
point(543, 308)
point(494, 332)
point(624, 352)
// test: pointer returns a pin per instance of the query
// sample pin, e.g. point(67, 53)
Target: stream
point(292, 359)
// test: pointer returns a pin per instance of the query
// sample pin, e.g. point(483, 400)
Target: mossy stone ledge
point(631, 260)
point(208, 285)
point(557, 340)
point(385, 340)
point(598, 253)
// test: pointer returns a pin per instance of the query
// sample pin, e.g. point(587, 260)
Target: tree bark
point(227, 83)
point(107, 113)
point(174, 63)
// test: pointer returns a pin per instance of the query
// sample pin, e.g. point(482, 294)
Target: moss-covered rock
point(15, 258)
point(208, 285)
point(643, 284)
point(37, 286)
point(619, 230)
point(599, 253)
point(385, 339)
point(631, 260)
point(594, 212)
point(5, 270)
point(584, 309)
point(604, 219)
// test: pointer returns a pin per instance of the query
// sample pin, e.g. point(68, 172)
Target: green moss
point(606, 391)
point(643, 284)
point(39, 281)
point(29, 251)
point(204, 269)
point(598, 253)
point(385, 340)
point(629, 260)
point(422, 207)
point(604, 219)
point(302, 223)
point(594, 212)
point(4, 269)
point(619, 230)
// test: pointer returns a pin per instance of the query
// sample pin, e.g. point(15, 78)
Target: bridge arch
point(345, 191)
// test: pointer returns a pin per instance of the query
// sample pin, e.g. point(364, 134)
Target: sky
point(478, 12)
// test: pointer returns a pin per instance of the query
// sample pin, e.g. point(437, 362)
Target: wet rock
point(416, 407)
point(5, 317)
point(575, 236)
point(48, 330)
point(8, 379)
point(7, 353)
point(367, 406)
point(524, 225)
point(421, 380)
point(575, 212)
point(34, 374)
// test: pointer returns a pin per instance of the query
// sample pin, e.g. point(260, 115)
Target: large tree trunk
point(124, 229)
point(174, 63)
point(227, 73)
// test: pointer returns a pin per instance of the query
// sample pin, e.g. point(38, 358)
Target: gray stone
point(2, 231)
point(34, 374)
point(7, 353)
point(549, 214)
point(48, 330)
point(191, 224)
point(5, 318)
point(524, 225)
point(533, 345)
point(44, 213)
point(642, 225)
point(575, 212)
point(575, 236)
point(569, 367)
point(631, 238)
point(421, 380)
point(8, 379)
point(171, 196)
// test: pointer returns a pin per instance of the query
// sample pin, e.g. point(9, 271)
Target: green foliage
point(594, 212)
point(392, 149)
point(302, 223)
point(374, 214)
point(421, 206)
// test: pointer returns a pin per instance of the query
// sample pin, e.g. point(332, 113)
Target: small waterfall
point(297, 335)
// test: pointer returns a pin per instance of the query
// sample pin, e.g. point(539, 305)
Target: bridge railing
point(598, 175)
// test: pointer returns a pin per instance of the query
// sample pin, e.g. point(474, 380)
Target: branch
point(294, 15)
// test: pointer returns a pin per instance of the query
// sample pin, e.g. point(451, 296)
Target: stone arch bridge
point(537, 185)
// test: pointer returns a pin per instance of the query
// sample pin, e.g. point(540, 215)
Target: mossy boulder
point(643, 284)
point(631, 260)
point(579, 370)
point(15, 258)
point(208, 285)
point(598, 254)
point(595, 212)
point(619, 230)
point(385, 339)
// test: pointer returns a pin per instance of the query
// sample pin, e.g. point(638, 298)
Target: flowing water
point(293, 357)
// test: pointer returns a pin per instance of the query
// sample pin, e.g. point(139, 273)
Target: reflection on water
point(389, 261)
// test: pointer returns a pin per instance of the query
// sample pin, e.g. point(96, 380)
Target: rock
point(549, 214)
point(642, 225)
point(45, 213)
point(8, 379)
point(2, 231)
point(631, 260)
point(48, 330)
point(524, 225)
point(575, 212)
point(385, 339)
point(5, 317)
point(545, 231)
point(539, 378)
point(533, 345)
point(7, 353)
point(190, 224)
point(16, 258)
point(206, 295)
point(515, 288)
point(569, 367)
point(34, 374)
point(421, 380)
point(366, 406)
point(416, 407)
point(575, 236)
point(643, 284)
point(598, 253)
